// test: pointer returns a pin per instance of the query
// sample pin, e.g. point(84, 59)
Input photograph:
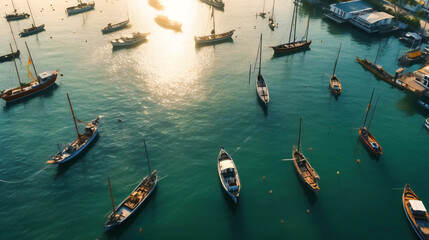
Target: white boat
point(228, 175)
point(34, 28)
point(213, 37)
point(261, 85)
point(427, 123)
point(81, 7)
point(271, 23)
point(135, 38)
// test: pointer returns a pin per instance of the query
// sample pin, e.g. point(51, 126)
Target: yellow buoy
point(338, 172)
point(358, 161)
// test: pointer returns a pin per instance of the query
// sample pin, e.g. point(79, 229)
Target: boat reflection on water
point(166, 22)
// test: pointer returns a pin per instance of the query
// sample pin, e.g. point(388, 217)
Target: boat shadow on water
point(46, 93)
point(311, 196)
point(228, 199)
point(117, 232)
point(263, 106)
point(283, 54)
point(116, 48)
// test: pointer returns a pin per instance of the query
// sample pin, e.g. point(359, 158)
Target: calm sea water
point(188, 102)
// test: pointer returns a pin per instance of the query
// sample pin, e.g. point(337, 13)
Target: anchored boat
point(271, 23)
point(81, 7)
point(34, 28)
point(261, 85)
point(416, 213)
point(215, 3)
point(228, 175)
point(82, 141)
point(306, 173)
point(16, 15)
point(13, 54)
point(263, 13)
point(335, 83)
point(115, 27)
point(213, 37)
point(367, 138)
point(165, 22)
point(136, 37)
point(130, 205)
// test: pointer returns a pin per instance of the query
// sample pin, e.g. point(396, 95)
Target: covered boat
point(416, 213)
point(32, 30)
point(228, 175)
point(81, 7)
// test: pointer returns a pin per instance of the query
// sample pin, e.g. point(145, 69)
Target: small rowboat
point(81, 7)
point(16, 16)
point(136, 37)
point(215, 3)
point(370, 142)
point(115, 27)
point(427, 123)
point(165, 22)
point(32, 30)
point(335, 86)
point(10, 56)
point(416, 213)
point(228, 175)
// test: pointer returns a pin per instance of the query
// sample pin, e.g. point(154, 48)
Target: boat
point(367, 138)
point(82, 141)
point(293, 45)
point(136, 37)
point(423, 100)
point(115, 27)
point(12, 55)
point(42, 82)
point(215, 3)
point(271, 23)
point(33, 29)
point(335, 83)
point(16, 15)
point(228, 175)
point(305, 171)
point(213, 37)
point(130, 205)
point(413, 56)
point(263, 13)
point(427, 123)
point(412, 38)
point(416, 212)
point(261, 85)
point(165, 22)
point(81, 7)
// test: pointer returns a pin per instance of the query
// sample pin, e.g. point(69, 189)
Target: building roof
point(352, 6)
point(375, 17)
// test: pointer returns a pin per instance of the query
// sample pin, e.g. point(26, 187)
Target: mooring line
point(247, 139)
point(25, 179)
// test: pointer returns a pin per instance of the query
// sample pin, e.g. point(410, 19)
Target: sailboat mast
point(369, 105)
point(263, 7)
point(74, 118)
point(296, 20)
point(32, 62)
point(375, 106)
point(147, 156)
point(272, 12)
point(291, 24)
point(13, 5)
point(214, 27)
point(336, 61)
point(16, 68)
point(16, 45)
point(34, 23)
point(260, 55)
point(378, 51)
point(111, 195)
point(308, 26)
point(299, 135)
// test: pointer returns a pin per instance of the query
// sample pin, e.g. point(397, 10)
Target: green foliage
point(420, 13)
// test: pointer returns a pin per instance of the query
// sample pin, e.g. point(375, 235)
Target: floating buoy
point(358, 160)
point(338, 172)
point(119, 120)
point(282, 221)
point(311, 149)
point(263, 178)
point(61, 75)
point(62, 19)
point(271, 191)
point(140, 230)
point(308, 211)
point(86, 40)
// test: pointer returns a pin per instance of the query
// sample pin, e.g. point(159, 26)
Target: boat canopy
point(226, 164)
point(414, 35)
point(417, 206)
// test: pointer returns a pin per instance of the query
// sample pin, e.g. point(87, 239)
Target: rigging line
point(25, 179)
point(247, 139)
point(256, 60)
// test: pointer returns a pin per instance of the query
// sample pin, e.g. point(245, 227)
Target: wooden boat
point(16, 15)
point(306, 173)
point(82, 141)
point(261, 85)
point(115, 27)
point(215, 3)
point(165, 22)
point(293, 45)
point(411, 57)
point(130, 205)
point(42, 82)
point(228, 175)
point(12, 55)
point(427, 123)
point(367, 138)
point(335, 83)
point(136, 37)
point(213, 37)
point(271, 23)
point(263, 13)
point(34, 28)
point(416, 213)
point(81, 7)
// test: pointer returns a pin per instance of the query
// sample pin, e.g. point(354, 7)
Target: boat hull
point(33, 90)
point(406, 197)
point(76, 9)
point(292, 47)
point(313, 187)
point(15, 17)
point(234, 197)
point(262, 91)
point(427, 123)
point(28, 32)
point(10, 56)
point(118, 26)
point(367, 143)
point(214, 38)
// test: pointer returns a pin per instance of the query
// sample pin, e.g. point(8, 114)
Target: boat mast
point(74, 118)
point(336, 61)
point(34, 23)
point(299, 136)
point(214, 27)
point(111, 195)
point(13, 36)
point(291, 24)
point(367, 109)
point(272, 12)
point(16, 68)
point(32, 62)
point(13, 5)
point(147, 156)
point(296, 20)
point(378, 51)
point(375, 106)
point(263, 7)
point(260, 55)
point(308, 26)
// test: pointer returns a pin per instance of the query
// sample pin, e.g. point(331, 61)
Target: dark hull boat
point(215, 3)
point(416, 213)
point(16, 16)
point(334, 82)
point(213, 38)
point(81, 7)
point(367, 138)
point(228, 175)
point(10, 56)
point(261, 85)
point(32, 30)
point(137, 37)
point(115, 27)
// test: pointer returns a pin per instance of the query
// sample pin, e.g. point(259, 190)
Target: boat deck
point(408, 82)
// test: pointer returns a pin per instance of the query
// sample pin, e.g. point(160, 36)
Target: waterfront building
point(342, 12)
point(374, 22)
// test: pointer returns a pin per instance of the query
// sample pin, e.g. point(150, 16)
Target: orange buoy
point(311, 149)
point(140, 230)
point(358, 161)
point(263, 178)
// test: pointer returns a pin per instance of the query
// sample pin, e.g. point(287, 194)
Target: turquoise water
point(188, 102)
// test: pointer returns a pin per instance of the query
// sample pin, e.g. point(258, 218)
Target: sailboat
point(16, 15)
point(263, 13)
point(293, 45)
point(261, 85)
point(306, 173)
point(42, 82)
point(335, 83)
point(81, 7)
point(228, 175)
point(271, 22)
point(416, 212)
point(213, 37)
point(367, 138)
point(130, 205)
point(82, 141)
point(376, 69)
point(34, 28)
point(13, 54)
point(117, 26)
